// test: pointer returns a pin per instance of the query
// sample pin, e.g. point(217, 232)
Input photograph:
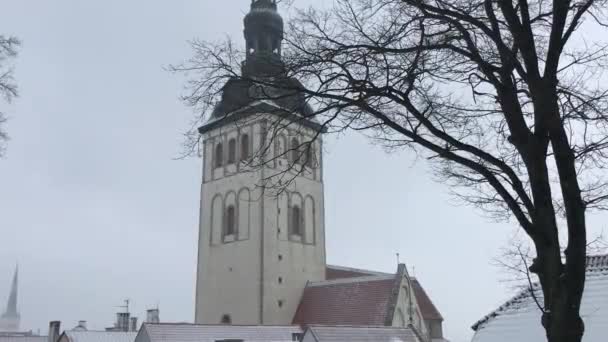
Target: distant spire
point(11, 306)
point(9, 321)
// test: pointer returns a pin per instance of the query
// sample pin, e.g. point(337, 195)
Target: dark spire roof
point(11, 306)
point(263, 36)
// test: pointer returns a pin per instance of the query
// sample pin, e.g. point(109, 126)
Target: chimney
point(122, 321)
point(54, 331)
point(153, 316)
point(133, 326)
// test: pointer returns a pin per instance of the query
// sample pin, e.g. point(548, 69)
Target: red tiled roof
point(362, 302)
point(428, 309)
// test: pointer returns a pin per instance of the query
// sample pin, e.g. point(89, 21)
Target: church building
point(262, 257)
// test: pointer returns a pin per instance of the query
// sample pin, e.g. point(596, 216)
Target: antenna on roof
point(398, 261)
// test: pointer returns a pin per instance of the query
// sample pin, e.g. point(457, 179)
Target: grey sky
point(95, 209)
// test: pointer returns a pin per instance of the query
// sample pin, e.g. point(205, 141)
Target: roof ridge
point(353, 280)
point(358, 270)
point(331, 326)
point(222, 325)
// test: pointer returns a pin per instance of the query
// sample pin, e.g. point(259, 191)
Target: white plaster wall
point(241, 278)
point(300, 261)
point(228, 273)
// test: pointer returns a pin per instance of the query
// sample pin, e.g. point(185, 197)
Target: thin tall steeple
point(10, 319)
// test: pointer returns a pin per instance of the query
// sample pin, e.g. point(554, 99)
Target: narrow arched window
point(294, 151)
point(226, 319)
point(230, 225)
point(309, 156)
point(219, 155)
point(231, 151)
point(296, 220)
point(244, 147)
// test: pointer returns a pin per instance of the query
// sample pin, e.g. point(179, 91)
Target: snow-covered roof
point(519, 318)
point(98, 336)
point(22, 338)
point(359, 334)
point(167, 332)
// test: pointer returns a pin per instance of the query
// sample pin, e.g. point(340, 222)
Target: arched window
point(296, 220)
point(294, 151)
point(309, 156)
point(231, 151)
point(219, 155)
point(230, 223)
point(244, 147)
point(226, 319)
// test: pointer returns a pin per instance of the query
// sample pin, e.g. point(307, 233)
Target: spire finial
point(272, 4)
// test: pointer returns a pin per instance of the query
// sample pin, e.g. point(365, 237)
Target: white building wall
point(407, 310)
point(258, 276)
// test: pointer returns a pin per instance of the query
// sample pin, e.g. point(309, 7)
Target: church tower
point(259, 248)
point(10, 319)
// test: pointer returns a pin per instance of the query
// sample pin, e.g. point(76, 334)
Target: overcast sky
point(95, 209)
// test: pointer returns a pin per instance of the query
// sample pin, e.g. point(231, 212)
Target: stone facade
point(252, 268)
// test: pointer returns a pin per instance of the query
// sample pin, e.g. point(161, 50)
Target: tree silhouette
point(503, 98)
point(8, 89)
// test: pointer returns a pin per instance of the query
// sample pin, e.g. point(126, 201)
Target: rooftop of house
point(348, 333)
point(98, 336)
point(22, 338)
point(353, 301)
point(354, 275)
point(519, 318)
point(183, 332)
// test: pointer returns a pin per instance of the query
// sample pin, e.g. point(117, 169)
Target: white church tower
point(257, 249)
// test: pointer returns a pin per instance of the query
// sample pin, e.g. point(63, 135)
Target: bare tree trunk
point(567, 325)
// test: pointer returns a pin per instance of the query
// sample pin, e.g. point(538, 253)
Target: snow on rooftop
point(100, 336)
point(167, 332)
point(519, 319)
point(361, 334)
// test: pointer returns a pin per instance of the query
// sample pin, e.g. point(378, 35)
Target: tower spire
point(263, 37)
point(9, 321)
point(11, 306)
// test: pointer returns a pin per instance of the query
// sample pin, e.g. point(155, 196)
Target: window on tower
point(309, 156)
point(230, 223)
point(296, 221)
point(219, 155)
point(294, 151)
point(231, 151)
point(244, 147)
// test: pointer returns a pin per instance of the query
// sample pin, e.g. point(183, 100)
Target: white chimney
point(54, 331)
point(153, 316)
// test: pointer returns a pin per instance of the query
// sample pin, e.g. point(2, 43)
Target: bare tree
point(497, 95)
point(8, 89)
